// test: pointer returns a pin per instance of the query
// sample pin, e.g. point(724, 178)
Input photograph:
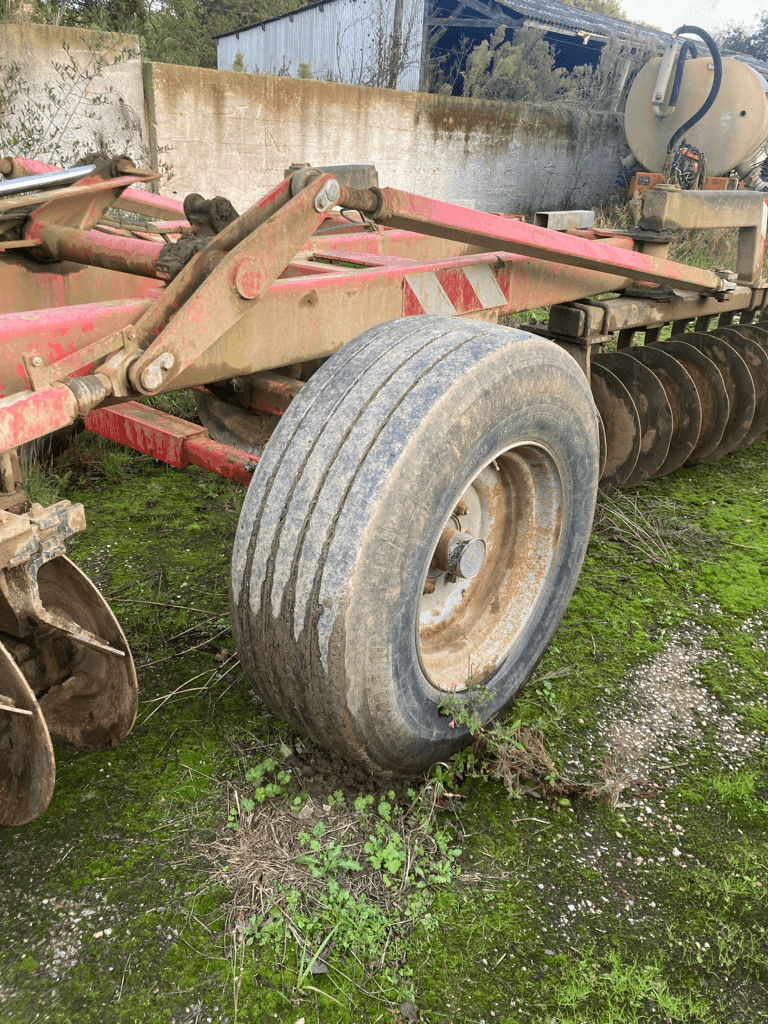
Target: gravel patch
point(669, 708)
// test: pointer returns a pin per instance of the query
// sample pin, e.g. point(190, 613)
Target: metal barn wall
point(336, 39)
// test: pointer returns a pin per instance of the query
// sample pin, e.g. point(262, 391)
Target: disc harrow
point(66, 672)
point(421, 480)
point(691, 398)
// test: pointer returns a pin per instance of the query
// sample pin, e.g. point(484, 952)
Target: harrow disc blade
point(603, 445)
point(27, 765)
point(653, 411)
point(756, 358)
point(757, 332)
point(713, 397)
point(738, 384)
point(89, 697)
point(683, 399)
point(621, 424)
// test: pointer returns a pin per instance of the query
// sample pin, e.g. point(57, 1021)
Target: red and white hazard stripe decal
point(452, 291)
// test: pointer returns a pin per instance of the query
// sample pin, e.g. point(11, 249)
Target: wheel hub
point(489, 567)
point(459, 554)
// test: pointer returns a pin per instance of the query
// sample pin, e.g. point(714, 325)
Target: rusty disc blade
point(756, 358)
point(621, 424)
point(683, 401)
point(89, 697)
point(603, 444)
point(27, 765)
point(713, 397)
point(738, 384)
point(652, 409)
point(757, 332)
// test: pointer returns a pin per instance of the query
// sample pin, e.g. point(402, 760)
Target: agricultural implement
point(416, 522)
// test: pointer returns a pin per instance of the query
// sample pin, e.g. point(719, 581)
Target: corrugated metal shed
point(342, 40)
point(339, 40)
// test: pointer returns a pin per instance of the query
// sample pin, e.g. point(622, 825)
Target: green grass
point(580, 911)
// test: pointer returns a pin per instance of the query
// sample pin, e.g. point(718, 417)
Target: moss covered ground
point(647, 903)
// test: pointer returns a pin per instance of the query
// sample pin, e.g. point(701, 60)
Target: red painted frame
point(314, 291)
point(171, 440)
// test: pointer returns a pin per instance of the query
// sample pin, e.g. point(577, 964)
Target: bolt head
point(328, 195)
point(250, 277)
point(37, 361)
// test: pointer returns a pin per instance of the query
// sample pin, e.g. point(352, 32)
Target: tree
point(171, 31)
point(378, 46)
point(745, 39)
point(605, 86)
point(523, 70)
point(610, 8)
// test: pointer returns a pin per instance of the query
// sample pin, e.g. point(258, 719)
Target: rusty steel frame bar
point(589, 317)
point(666, 208)
point(326, 311)
point(29, 288)
point(110, 251)
point(169, 439)
point(55, 333)
point(39, 347)
point(270, 392)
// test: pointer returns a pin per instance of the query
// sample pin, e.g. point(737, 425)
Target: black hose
point(712, 92)
point(688, 47)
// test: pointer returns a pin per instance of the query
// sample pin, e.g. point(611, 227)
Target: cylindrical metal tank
point(733, 134)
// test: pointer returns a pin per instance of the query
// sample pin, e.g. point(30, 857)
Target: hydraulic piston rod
point(36, 182)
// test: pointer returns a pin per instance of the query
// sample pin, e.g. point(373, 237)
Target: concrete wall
point(233, 134)
point(98, 97)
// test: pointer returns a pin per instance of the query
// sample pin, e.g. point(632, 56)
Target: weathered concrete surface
point(97, 99)
point(234, 134)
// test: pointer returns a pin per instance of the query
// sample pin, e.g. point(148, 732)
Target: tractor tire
point(343, 618)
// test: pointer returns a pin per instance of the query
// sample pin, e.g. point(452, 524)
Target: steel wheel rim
point(466, 628)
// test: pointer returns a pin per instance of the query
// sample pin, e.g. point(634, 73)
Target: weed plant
point(45, 124)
